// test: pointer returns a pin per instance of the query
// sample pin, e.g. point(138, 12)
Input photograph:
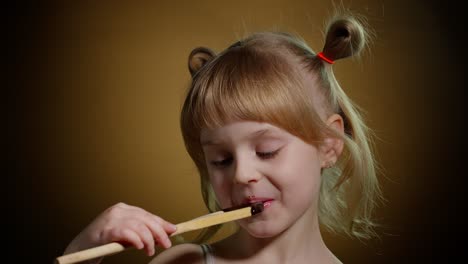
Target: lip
point(251, 200)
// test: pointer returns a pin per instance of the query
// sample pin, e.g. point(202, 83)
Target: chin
point(262, 229)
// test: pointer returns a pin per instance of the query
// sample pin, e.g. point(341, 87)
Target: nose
point(245, 171)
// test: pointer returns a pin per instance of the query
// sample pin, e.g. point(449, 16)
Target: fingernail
point(173, 227)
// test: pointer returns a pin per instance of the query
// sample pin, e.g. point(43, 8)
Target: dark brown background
point(95, 93)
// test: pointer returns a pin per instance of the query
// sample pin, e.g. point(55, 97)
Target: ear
point(332, 146)
point(198, 58)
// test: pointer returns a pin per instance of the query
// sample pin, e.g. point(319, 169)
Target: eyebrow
point(252, 135)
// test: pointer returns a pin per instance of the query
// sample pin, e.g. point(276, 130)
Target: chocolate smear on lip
point(257, 208)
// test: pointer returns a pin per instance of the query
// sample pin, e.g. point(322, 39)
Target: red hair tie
point(322, 57)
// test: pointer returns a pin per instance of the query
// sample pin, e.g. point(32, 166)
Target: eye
point(268, 155)
point(221, 163)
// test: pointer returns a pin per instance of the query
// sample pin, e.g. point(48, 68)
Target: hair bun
point(345, 37)
point(198, 58)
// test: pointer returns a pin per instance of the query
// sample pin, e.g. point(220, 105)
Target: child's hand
point(125, 224)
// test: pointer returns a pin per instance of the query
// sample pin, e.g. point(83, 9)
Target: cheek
point(300, 171)
point(221, 189)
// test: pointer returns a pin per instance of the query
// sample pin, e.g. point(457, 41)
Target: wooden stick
point(215, 218)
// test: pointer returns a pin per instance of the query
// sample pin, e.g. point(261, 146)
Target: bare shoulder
point(183, 253)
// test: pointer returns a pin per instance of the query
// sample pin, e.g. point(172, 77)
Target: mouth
point(251, 200)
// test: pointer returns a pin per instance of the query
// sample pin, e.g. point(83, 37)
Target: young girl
point(266, 121)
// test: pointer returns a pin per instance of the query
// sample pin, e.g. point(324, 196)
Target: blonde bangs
point(248, 84)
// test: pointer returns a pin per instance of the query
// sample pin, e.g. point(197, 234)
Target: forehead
point(239, 130)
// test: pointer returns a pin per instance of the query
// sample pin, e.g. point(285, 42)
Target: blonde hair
point(261, 78)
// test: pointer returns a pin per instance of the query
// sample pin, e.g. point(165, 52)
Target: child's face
point(251, 161)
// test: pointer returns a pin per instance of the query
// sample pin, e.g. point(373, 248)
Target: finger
point(159, 227)
point(146, 237)
point(167, 226)
point(128, 235)
point(159, 233)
